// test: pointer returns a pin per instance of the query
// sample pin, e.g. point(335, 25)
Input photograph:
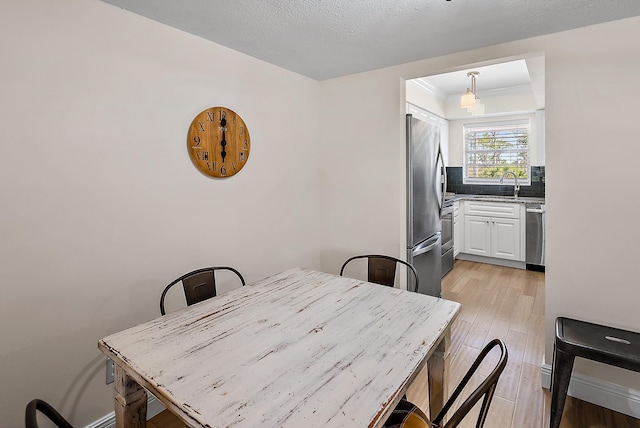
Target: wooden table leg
point(130, 401)
point(437, 372)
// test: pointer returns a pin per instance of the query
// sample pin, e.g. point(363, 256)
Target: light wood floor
point(508, 304)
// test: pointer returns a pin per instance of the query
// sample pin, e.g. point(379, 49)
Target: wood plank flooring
point(508, 304)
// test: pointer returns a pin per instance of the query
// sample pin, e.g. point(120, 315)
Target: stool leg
point(560, 377)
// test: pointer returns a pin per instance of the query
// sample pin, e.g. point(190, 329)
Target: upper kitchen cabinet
point(435, 120)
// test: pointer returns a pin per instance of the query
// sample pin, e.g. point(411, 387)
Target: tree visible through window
point(491, 149)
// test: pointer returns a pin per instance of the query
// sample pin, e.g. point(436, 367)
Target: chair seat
point(407, 415)
point(604, 344)
point(609, 345)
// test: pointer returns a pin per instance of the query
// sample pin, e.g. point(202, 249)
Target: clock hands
point(223, 143)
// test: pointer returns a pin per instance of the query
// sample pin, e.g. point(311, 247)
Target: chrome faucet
point(516, 187)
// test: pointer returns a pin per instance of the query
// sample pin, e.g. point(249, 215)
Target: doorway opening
point(494, 151)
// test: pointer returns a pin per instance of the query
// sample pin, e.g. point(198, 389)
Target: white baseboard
point(596, 391)
point(109, 421)
point(491, 261)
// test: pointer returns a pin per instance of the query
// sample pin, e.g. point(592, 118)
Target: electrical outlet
point(110, 371)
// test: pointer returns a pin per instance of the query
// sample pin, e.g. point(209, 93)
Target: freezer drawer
point(426, 258)
point(447, 262)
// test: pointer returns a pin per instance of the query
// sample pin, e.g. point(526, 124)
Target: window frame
point(496, 181)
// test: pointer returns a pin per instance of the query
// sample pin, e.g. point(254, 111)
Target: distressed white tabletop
point(297, 349)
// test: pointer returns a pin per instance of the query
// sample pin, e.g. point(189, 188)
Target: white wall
point(363, 160)
point(591, 153)
point(419, 96)
point(498, 102)
point(100, 206)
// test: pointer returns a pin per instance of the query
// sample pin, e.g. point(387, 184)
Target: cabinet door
point(458, 228)
point(505, 238)
point(477, 235)
point(457, 236)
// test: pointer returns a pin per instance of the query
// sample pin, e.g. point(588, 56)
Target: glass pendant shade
point(478, 110)
point(468, 100)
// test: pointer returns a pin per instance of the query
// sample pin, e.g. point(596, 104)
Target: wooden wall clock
point(218, 142)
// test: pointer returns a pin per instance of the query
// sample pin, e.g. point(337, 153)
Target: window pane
point(493, 149)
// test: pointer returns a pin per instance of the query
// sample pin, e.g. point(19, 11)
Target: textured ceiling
point(323, 39)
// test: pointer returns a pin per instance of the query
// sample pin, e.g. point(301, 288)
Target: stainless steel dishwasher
point(535, 253)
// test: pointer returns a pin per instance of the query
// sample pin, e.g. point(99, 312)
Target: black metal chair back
point(486, 389)
point(37, 405)
point(382, 269)
point(198, 285)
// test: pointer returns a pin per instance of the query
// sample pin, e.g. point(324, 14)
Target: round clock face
point(218, 142)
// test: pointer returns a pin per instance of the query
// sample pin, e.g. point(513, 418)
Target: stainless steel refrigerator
point(426, 185)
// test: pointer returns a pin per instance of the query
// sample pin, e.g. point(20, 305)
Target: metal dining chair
point(37, 405)
point(382, 269)
point(198, 285)
point(407, 415)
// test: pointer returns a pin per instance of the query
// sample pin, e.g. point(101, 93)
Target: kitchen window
point(491, 149)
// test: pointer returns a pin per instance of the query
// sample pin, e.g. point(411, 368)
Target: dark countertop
point(493, 198)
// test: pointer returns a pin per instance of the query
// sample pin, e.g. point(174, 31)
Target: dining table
point(300, 348)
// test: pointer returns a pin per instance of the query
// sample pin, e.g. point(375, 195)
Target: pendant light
point(470, 100)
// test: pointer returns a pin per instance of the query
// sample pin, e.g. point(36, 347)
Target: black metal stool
point(620, 348)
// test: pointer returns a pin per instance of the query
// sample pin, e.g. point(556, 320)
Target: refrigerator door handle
point(544, 234)
point(409, 182)
point(426, 246)
point(444, 180)
point(439, 181)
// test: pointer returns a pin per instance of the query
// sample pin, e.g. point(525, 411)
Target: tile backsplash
point(455, 185)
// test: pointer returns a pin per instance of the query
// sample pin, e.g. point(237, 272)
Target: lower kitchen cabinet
point(492, 237)
point(457, 230)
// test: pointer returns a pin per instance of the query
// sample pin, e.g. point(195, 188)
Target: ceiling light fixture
point(470, 100)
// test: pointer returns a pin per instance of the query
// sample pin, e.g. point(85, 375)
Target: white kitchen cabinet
point(477, 235)
point(505, 238)
point(436, 120)
point(458, 235)
point(496, 234)
point(492, 237)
